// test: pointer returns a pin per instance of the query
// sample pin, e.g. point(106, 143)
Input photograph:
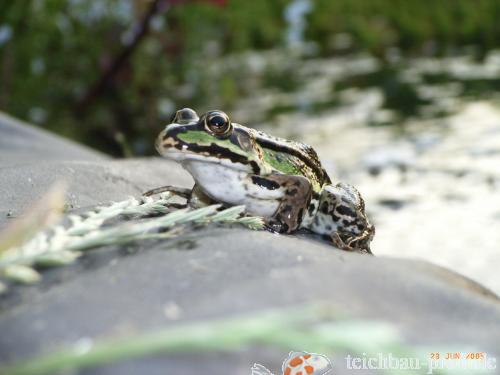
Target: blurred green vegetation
point(55, 55)
point(414, 26)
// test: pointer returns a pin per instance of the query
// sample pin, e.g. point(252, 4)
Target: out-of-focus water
point(420, 138)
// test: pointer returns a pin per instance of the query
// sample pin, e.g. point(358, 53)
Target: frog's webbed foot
point(181, 192)
point(297, 195)
point(354, 243)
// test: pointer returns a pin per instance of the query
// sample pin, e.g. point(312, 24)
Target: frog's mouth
point(186, 154)
point(186, 157)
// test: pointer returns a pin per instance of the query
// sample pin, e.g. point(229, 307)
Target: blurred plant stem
point(44, 213)
point(124, 145)
point(289, 329)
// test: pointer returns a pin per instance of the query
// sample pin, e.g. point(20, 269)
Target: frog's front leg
point(295, 199)
point(341, 216)
point(181, 192)
point(198, 198)
point(195, 197)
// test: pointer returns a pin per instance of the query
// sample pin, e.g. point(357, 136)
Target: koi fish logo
point(299, 363)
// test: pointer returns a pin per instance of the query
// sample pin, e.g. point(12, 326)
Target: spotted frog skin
point(280, 180)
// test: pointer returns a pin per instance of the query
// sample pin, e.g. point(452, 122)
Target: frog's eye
point(217, 122)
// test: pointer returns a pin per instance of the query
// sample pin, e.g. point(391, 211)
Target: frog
point(280, 180)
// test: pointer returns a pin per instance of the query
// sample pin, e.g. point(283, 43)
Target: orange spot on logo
point(297, 361)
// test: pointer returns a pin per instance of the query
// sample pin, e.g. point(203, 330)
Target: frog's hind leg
point(296, 198)
point(341, 217)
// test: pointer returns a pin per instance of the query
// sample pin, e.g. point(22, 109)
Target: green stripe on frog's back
point(285, 163)
point(293, 158)
point(291, 165)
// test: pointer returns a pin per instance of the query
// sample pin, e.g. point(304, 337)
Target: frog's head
point(210, 138)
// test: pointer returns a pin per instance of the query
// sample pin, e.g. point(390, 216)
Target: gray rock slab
point(224, 272)
point(89, 183)
point(21, 142)
point(237, 271)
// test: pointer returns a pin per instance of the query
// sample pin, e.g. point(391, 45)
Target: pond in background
point(275, 83)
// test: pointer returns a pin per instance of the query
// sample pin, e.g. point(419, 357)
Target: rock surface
point(225, 272)
point(21, 142)
point(90, 183)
